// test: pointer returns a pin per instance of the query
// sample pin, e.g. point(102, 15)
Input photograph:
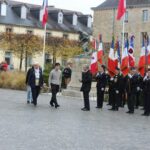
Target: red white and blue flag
point(100, 50)
point(94, 64)
point(125, 60)
point(45, 12)
point(131, 52)
point(112, 60)
point(142, 60)
point(121, 9)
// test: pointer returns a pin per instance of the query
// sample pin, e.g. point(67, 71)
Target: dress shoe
point(85, 109)
point(145, 114)
point(28, 102)
point(98, 107)
point(130, 112)
point(51, 103)
point(112, 109)
point(56, 106)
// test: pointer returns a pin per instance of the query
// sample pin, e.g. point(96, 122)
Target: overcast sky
point(77, 5)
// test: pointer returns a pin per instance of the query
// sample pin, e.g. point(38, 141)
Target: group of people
point(120, 89)
point(34, 82)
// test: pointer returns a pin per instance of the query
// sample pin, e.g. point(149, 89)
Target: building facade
point(25, 18)
point(137, 21)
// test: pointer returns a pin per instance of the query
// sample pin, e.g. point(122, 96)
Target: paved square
point(25, 127)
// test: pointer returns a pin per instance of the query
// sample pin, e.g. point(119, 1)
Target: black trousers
point(100, 98)
point(111, 97)
point(122, 98)
point(147, 103)
point(35, 93)
point(131, 101)
point(116, 101)
point(86, 100)
point(55, 90)
point(137, 103)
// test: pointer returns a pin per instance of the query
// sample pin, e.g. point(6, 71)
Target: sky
point(77, 5)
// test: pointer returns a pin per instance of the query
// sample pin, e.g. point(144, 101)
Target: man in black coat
point(86, 86)
point(132, 89)
point(35, 81)
point(146, 88)
point(101, 79)
point(116, 90)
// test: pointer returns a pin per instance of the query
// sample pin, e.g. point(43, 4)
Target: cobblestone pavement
point(25, 127)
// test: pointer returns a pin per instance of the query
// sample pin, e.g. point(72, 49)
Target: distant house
point(21, 17)
point(137, 21)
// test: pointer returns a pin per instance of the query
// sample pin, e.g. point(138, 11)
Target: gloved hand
point(102, 89)
point(117, 92)
point(138, 88)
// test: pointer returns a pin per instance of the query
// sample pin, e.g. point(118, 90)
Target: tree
point(64, 48)
point(22, 45)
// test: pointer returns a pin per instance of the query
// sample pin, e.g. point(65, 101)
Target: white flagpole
point(123, 36)
point(44, 45)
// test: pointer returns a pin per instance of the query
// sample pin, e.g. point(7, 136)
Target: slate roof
point(110, 4)
point(32, 20)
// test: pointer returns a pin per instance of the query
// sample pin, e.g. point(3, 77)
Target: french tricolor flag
point(100, 50)
point(45, 12)
point(125, 60)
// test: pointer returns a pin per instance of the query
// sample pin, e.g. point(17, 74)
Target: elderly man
point(35, 80)
point(86, 86)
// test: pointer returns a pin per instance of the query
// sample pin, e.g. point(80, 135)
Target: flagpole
point(123, 36)
point(44, 45)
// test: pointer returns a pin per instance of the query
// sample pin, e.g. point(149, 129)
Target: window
point(65, 36)
point(48, 34)
point(145, 15)
point(126, 16)
point(8, 29)
point(144, 35)
point(8, 57)
point(60, 18)
point(29, 61)
point(47, 58)
point(125, 35)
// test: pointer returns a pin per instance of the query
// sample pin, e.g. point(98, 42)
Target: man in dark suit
point(116, 90)
point(146, 88)
point(132, 89)
point(101, 84)
point(35, 81)
point(86, 86)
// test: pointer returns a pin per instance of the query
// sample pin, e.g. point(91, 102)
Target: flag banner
point(121, 9)
point(100, 51)
point(111, 60)
point(143, 61)
point(125, 60)
point(94, 64)
point(45, 12)
point(131, 52)
point(94, 44)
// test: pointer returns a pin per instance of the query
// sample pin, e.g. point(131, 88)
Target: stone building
point(23, 18)
point(137, 21)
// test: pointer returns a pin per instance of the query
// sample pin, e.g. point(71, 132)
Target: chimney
point(3, 9)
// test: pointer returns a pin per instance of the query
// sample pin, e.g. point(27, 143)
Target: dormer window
point(89, 22)
point(3, 9)
point(60, 18)
point(75, 20)
point(23, 12)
